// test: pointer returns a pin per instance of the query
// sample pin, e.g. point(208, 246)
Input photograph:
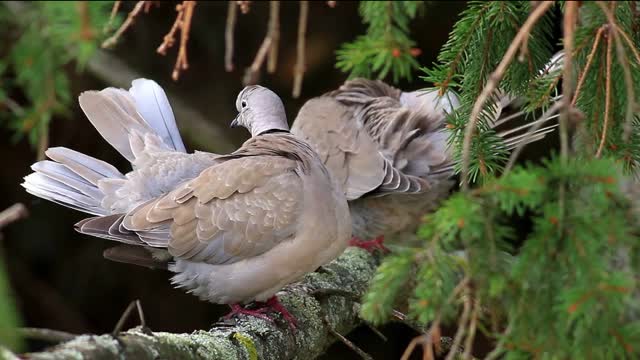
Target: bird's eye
point(243, 104)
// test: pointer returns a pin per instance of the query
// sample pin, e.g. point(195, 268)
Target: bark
point(323, 300)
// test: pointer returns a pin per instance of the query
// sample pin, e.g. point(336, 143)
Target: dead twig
point(300, 56)
point(568, 84)
point(232, 12)
point(428, 341)
point(346, 341)
point(244, 6)
point(182, 22)
point(590, 57)
point(112, 40)
point(12, 214)
point(462, 326)
point(112, 17)
point(492, 84)
point(48, 335)
point(624, 62)
point(274, 32)
point(607, 97)
point(252, 73)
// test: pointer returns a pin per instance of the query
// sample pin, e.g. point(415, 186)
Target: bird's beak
point(234, 123)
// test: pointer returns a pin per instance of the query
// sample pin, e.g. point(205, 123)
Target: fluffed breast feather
point(237, 209)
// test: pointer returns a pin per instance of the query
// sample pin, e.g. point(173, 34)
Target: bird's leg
point(262, 307)
point(239, 309)
point(370, 245)
point(275, 304)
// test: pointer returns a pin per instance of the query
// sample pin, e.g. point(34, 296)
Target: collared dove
point(237, 227)
point(388, 149)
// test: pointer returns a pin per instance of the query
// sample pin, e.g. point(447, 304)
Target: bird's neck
point(269, 125)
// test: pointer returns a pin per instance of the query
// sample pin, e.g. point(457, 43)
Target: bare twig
point(244, 6)
point(112, 17)
point(427, 341)
point(347, 342)
point(462, 326)
point(607, 96)
point(624, 62)
point(630, 43)
point(52, 336)
point(492, 84)
point(182, 22)
point(274, 33)
point(251, 76)
point(468, 344)
point(112, 40)
point(300, 56)
point(12, 214)
point(228, 35)
point(570, 17)
point(86, 32)
point(590, 57)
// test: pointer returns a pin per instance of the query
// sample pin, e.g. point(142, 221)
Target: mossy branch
point(249, 337)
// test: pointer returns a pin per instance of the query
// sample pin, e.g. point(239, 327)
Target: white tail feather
point(71, 180)
point(153, 105)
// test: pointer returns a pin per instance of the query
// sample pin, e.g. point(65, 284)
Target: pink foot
point(263, 308)
point(275, 304)
point(237, 309)
point(370, 245)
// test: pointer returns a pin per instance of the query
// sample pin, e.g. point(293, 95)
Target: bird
point(389, 151)
point(233, 228)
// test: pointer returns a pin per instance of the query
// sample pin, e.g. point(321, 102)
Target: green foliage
point(8, 315)
point(386, 47)
point(566, 293)
point(46, 38)
point(474, 49)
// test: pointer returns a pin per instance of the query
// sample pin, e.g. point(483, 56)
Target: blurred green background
point(58, 278)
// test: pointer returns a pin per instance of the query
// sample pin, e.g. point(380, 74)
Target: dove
point(388, 150)
point(233, 228)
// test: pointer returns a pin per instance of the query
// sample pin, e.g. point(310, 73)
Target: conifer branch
point(492, 84)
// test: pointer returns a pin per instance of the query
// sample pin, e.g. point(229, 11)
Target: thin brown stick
point(274, 33)
point(492, 84)
point(232, 12)
point(48, 335)
point(462, 326)
point(590, 57)
point(425, 340)
point(568, 84)
point(630, 43)
point(244, 6)
point(628, 77)
point(182, 23)
point(251, 75)
point(12, 214)
point(86, 32)
point(112, 17)
point(607, 96)
point(112, 40)
point(300, 56)
point(468, 344)
point(347, 342)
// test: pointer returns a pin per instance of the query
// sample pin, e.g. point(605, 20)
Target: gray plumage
point(234, 228)
point(388, 150)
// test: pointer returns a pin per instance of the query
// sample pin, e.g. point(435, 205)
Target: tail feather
point(153, 105)
point(72, 180)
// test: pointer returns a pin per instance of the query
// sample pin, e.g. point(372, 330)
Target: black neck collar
point(271, 131)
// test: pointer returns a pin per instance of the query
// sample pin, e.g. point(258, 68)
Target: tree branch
point(250, 337)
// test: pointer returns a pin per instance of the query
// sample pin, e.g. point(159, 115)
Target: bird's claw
point(370, 245)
